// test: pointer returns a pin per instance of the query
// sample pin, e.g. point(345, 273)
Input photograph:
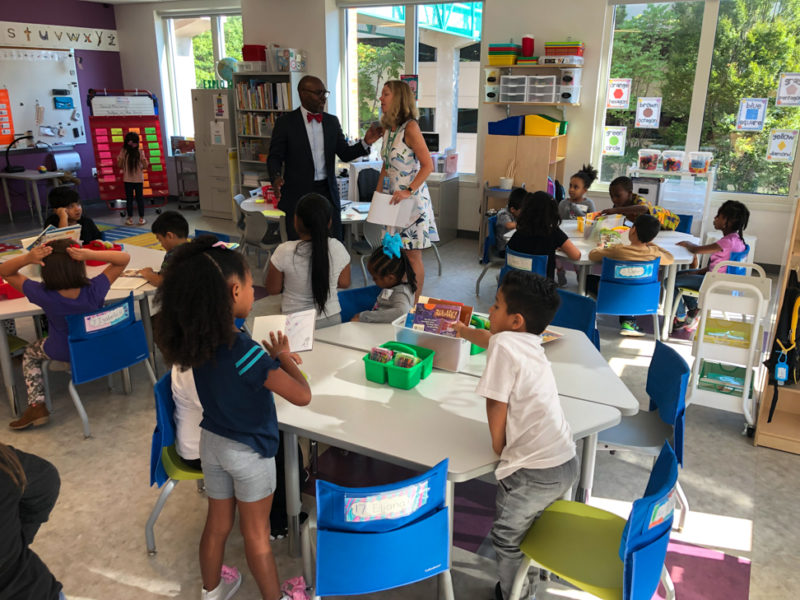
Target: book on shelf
point(248, 123)
point(255, 94)
point(250, 178)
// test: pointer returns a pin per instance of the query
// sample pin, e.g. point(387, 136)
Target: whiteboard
point(35, 80)
point(132, 106)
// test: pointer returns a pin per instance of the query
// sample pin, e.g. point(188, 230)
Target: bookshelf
point(259, 99)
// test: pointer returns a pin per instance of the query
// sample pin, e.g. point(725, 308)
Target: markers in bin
point(381, 355)
point(406, 361)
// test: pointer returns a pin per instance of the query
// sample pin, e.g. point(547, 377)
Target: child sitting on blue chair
point(527, 424)
point(391, 272)
point(645, 229)
point(507, 218)
point(171, 230)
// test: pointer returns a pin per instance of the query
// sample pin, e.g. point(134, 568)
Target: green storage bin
point(400, 377)
point(473, 349)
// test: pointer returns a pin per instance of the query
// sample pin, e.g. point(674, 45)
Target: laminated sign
point(782, 143)
point(752, 112)
point(788, 90)
point(614, 141)
point(648, 113)
point(619, 94)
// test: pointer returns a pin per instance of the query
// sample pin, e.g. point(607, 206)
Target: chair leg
point(656, 328)
point(684, 503)
point(305, 550)
point(46, 382)
point(480, 277)
point(76, 400)
point(201, 486)
point(364, 268)
point(438, 258)
point(127, 387)
point(446, 585)
point(150, 372)
point(314, 458)
point(675, 304)
point(666, 581)
point(519, 578)
point(149, 535)
point(110, 382)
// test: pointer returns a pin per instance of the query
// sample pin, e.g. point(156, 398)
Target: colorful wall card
point(614, 141)
point(788, 90)
point(648, 113)
point(619, 94)
point(752, 112)
point(782, 144)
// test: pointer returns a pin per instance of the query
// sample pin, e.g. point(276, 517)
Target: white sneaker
point(229, 584)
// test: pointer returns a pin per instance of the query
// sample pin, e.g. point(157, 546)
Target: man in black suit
point(302, 153)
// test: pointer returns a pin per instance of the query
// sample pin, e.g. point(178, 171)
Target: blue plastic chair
point(101, 343)
point(357, 300)
point(578, 312)
point(490, 256)
point(222, 237)
point(646, 431)
point(166, 465)
point(685, 224)
point(602, 553)
point(362, 549)
point(534, 263)
point(629, 288)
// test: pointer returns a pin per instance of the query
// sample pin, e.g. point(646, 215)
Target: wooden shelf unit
point(783, 432)
point(535, 156)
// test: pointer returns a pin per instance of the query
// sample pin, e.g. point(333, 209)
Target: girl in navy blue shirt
point(205, 289)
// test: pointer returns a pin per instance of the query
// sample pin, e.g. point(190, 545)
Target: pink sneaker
point(295, 589)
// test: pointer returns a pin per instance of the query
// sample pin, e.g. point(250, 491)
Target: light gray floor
point(743, 499)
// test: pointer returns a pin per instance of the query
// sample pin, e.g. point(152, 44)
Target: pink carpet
point(704, 574)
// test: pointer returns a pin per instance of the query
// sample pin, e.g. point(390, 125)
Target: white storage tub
point(451, 353)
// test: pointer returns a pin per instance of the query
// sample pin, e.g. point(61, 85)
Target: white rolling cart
point(728, 346)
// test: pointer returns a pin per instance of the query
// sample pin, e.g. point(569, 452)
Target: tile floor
point(741, 497)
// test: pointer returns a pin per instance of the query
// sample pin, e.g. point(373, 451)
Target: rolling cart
point(186, 178)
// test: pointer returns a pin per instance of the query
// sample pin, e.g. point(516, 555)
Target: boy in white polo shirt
point(527, 425)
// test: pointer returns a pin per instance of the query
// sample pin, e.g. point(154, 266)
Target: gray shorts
point(232, 469)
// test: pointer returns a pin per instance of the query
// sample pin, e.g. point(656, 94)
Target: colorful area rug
point(698, 573)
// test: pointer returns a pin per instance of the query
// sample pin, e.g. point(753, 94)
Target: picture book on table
point(51, 233)
point(436, 318)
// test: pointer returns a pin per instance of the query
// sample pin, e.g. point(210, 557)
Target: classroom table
point(21, 307)
point(441, 417)
point(668, 240)
point(31, 179)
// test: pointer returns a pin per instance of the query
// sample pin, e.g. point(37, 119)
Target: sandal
point(129, 221)
point(142, 221)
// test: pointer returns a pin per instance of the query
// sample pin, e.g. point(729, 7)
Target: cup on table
point(506, 183)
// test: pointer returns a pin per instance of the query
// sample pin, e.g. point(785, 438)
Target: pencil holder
point(400, 377)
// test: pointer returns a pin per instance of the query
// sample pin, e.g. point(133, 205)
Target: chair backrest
point(105, 341)
point(357, 300)
point(164, 433)
point(490, 241)
point(628, 287)
point(255, 226)
point(222, 237)
point(238, 199)
point(358, 528)
point(685, 224)
point(667, 382)
point(535, 263)
point(367, 184)
point(578, 312)
point(643, 546)
point(739, 257)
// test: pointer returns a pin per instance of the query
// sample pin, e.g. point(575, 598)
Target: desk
point(31, 179)
point(21, 307)
point(440, 417)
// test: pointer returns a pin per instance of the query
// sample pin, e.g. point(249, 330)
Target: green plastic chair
point(602, 553)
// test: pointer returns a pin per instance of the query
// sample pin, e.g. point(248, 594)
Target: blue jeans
point(692, 280)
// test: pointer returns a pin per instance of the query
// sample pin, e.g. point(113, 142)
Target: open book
point(298, 327)
point(51, 233)
point(382, 212)
point(128, 283)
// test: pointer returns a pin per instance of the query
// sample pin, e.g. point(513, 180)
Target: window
point(446, 54)
point(196, 44)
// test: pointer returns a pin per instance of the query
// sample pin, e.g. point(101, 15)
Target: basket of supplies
point(400, 365)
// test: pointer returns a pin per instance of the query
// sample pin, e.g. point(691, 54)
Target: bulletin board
point(43, 96)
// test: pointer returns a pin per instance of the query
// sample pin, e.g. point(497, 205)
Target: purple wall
point(101, 69)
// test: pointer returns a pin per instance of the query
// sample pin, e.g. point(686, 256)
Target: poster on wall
point(788, 90)
point(413, 83)
point(648, 113)
point(220, 106)
point(752, 112)
point(614, 141)
point(57, 37)
point(782, 144)
point(619, 94)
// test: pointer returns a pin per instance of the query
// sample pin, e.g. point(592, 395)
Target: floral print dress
point(402, 167)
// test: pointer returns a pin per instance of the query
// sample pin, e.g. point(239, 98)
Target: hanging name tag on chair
point(662, 510)
point(106, 319)
point(386, 505)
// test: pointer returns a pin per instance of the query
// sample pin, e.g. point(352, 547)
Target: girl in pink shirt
point(731, 219)
point(131, 162)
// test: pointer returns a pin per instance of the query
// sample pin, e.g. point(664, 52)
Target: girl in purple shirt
point(731, 219)
point(64, 290)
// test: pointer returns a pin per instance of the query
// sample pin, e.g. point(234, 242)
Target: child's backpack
point(784, 347)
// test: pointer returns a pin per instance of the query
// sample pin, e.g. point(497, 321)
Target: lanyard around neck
point(387, 148)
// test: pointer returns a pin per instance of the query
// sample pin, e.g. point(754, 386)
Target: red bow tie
point(314, 117)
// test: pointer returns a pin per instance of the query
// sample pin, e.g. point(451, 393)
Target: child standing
point(632, 205)
point(527, 425)
point(171, 230)
point(575, 205)
point(538, 231)
point(731, 220)
point(392, 272)
point(64, 290)
point(645, 229)
point(67, 210)
point(131, 161)
point(309, 270)
point(235, 379)
point(507, 218)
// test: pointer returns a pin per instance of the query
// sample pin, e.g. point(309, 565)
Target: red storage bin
point(7, 292)
point(254, 52)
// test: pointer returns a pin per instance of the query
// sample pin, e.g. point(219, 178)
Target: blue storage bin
point(509, 126)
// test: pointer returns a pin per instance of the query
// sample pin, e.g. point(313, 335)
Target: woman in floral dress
point(407, 164)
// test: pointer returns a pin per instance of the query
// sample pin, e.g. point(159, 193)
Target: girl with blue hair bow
point(392, 271)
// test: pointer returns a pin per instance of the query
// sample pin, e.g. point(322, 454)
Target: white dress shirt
point(317, 142)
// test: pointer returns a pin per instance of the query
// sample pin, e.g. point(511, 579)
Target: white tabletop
point(441, 417)
point(140, 258)
point(31, 175)
point(580, 370)
point(349, 215)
